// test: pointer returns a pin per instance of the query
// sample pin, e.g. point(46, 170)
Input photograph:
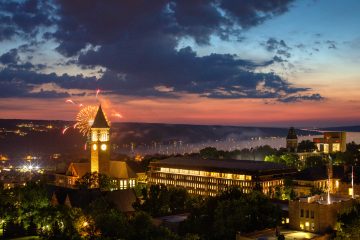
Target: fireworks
point(65, 129)
point(85, 119)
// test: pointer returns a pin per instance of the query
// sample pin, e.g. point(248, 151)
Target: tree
point(95, 180)
point(209, 153)
point(291, 160)
point(306, 146)
point(273, 158)
point(314, 161)
point(349, 224)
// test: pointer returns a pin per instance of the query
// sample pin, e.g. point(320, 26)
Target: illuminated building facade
point(331, 142)
point(209, 177)
point(314, 214)
point(100, 144)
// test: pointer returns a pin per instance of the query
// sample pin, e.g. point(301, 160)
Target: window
point(312, 214)
point(307, 213)
point(302, 213)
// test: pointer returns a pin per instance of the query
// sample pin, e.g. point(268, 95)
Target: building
point(292, 140)
point(123, 176)
point(316, 214)
point(318, 178)
point(331, 142)
point(209, 177)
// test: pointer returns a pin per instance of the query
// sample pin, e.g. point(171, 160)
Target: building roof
point(291, 134)
point(122, 199)
point(223, 165)
point(319, 173)
point(100, 120)
point(120, 169)
point(78, 169)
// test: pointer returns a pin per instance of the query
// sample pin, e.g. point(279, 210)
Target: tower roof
point(100, 120)
point(291, 134)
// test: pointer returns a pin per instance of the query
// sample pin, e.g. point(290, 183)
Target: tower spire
point(100, 120)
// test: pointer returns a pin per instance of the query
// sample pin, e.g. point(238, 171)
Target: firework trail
point(70, 101)
point(65, 129)
point(97, 93)
point(118, 115)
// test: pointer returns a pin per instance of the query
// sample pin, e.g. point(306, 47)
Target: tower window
point(94, 147)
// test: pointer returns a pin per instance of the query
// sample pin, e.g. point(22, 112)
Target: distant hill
point(41, 136)
point(345, 129)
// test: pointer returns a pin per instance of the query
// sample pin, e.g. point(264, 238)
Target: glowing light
point(65, 129)
point(103, 147)
point(97, 93)
point(118, 115)
point(70, 101)
point(85, 119)
point(94, 147)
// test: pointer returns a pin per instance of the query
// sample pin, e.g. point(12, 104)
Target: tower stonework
point(100, 144)
point(292, 140)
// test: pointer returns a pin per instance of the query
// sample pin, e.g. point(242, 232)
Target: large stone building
point(317, 214)
point(209, 177)
point(122, 175)
point(331, 142)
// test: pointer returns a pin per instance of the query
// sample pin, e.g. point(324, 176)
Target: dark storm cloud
point(136, 42)
point(21, 83)
point(11, 57)
point(24, 18)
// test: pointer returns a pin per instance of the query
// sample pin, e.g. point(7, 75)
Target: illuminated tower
point(292, 140)
point(100, 144)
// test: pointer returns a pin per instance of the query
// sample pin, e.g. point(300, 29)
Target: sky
point(228, 62)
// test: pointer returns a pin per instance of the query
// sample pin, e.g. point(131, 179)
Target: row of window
point(194, 187)
point(207, 180)
point(206, 174)
point(306, 213)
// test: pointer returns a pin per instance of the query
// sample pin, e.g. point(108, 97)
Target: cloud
point(331, 44)
point(298, 98)
point(24, 18)
point(277, 46)
point(136, 43)
point(11, 57)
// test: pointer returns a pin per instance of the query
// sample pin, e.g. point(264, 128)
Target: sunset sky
point(228, 62)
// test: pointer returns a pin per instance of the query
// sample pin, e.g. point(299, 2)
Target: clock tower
point(100, 144)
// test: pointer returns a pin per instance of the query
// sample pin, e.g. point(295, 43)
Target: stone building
point(317, 214)
point(209, 177)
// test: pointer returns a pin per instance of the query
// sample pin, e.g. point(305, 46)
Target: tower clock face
point(94, 146)
point(103, 147)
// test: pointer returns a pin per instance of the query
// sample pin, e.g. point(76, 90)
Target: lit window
point(94, 147)
point(307, 224)
point(350, 191)
point(301, 226)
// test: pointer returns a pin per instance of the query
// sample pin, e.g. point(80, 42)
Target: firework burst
point(85, 119)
